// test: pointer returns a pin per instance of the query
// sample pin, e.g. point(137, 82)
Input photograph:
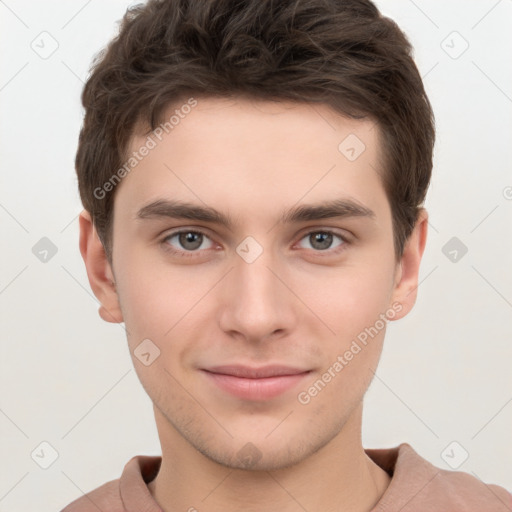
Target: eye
point(322, 240)
point(191, 243)
point(187, 241)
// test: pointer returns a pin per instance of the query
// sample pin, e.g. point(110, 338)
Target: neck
point(338, 477)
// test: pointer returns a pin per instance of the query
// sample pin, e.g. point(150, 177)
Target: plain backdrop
point(67, 379)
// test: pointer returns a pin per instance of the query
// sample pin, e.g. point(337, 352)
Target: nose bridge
point(255, 303)
point(256, 281)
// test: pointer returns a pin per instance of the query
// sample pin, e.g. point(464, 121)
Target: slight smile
point(256, 384)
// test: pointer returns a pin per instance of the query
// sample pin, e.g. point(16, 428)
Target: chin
point(263, 451)
point(250, 457)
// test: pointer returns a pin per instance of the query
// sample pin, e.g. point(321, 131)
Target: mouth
point(258, 384)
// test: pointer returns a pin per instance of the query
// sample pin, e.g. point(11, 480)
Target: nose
point(256, 304)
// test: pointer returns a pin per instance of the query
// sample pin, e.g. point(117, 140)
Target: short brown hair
point(342, 53)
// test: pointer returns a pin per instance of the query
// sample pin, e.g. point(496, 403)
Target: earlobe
point(99, 271)
point(406, 283)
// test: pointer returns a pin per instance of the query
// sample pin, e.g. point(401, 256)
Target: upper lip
point(261, 372)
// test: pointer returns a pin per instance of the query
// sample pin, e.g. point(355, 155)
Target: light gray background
point(66, 376)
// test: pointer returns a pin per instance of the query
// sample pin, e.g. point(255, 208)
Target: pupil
point(321, 240)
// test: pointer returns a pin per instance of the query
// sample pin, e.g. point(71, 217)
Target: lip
point(259, 384)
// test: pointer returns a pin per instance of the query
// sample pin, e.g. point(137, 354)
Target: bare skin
point(315, 285)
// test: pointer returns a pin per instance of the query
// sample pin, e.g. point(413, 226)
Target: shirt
point(416, 486)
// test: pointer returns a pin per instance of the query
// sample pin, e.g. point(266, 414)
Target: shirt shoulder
point(105, 497)
point(419, 486)
point(127, 493)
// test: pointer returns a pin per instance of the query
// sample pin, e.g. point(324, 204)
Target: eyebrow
point(337, 208)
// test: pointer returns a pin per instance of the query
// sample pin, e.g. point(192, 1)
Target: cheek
point(348, 299)
point(155, 296)
point(353, 302)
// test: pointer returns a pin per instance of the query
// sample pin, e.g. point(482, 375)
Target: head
point(301, 125)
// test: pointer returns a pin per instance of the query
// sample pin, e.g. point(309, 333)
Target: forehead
point(253, 156)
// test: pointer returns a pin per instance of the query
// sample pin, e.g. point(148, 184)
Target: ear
point(406, 280)
point(99, 272)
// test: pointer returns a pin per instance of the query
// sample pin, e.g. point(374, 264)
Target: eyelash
point(195, 253)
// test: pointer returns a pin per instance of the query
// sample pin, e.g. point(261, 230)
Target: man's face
point(251, 318)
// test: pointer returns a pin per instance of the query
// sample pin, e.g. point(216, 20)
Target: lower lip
point(255, 389)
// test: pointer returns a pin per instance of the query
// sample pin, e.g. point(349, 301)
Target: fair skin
point(300, 304)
